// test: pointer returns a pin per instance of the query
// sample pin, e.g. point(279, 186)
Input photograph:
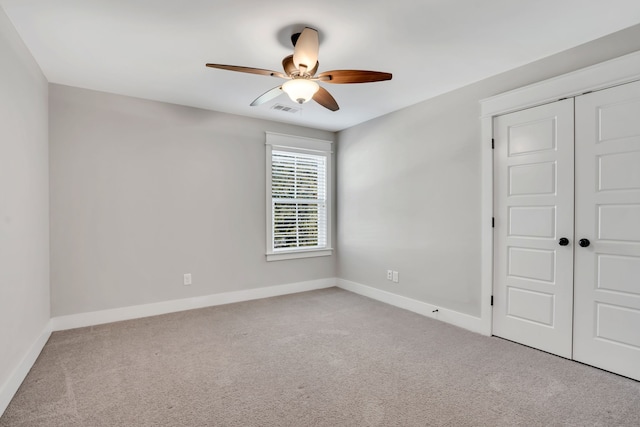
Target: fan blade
point(353, 76)
point(312, 71)
point(324, 98)
point(288, 65)
point(268, 96)
point(248, 70)
point(306, 50)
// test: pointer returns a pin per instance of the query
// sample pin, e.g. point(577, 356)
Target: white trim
point(614, 72)
point(268, 208)
point(279, 256)
point(137, 311)
point(11, 386)
point(486, 220)
point(303, 145)
point(610, 73)
point(471, 323)
point(291, 141)
point(290, 149)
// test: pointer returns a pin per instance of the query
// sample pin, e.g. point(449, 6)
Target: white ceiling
point(157, 49)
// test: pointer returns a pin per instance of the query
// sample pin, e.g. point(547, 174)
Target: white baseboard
point(11, 386)
point(80, 320)
point(472, 323)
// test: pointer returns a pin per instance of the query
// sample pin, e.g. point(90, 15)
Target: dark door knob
point(563, 241)
point(584, 243)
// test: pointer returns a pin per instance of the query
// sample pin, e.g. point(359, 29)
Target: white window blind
point(298, 197)
point(298, 200)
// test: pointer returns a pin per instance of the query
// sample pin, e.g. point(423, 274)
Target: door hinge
point(493, 222)
point(493, 143)
point(491, 299)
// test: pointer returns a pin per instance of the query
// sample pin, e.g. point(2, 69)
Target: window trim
point(303, 145)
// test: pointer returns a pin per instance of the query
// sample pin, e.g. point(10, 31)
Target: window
point(298, 197)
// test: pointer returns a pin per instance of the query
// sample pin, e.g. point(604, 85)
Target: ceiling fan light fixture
point(300, 73)
point(300, 90)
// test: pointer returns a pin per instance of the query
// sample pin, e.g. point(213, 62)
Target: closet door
point(533, 236)
point(607, 271)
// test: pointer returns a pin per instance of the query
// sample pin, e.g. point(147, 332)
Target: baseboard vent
point(285, 108)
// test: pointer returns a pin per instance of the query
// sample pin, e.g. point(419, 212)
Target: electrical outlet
point(396, 277)
point(187, 279)
point(389, 274)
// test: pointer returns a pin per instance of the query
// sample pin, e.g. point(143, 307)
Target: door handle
point(563, 241)
point(584, 243)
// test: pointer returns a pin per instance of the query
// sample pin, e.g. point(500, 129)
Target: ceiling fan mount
point(294, 38)
point(300, 70)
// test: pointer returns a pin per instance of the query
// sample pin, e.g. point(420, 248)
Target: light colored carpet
point(321, 358)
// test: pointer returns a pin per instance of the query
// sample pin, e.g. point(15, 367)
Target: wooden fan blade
point(248, 70)
point(306, 50)
point(353, 76)
point(324, 98)
point(288, 65)
point(268, 96)
point(314, 69)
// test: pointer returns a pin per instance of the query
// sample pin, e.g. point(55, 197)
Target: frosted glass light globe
point(300, 90)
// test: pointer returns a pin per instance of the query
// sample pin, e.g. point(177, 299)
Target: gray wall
point(142, 192)
point(24, 201)
point(409, 185)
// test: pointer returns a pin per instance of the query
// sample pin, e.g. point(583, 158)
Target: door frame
point(621, 70)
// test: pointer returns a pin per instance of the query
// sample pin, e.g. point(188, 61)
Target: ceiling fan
point(300, 72)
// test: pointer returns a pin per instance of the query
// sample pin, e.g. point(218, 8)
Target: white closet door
point(533, 208)
point(607, 272)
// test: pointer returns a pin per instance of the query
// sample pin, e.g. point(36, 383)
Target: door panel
point(532, 221)
point(618, 119)
point(529, 305)
point(609, 319)
point(607, 272)
point(532, 264)
point(619, 171)
point(532, 136)
point(619, 222)
point(618, 273)
point(533, 179)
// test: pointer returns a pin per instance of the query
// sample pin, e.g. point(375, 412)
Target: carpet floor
point(320, 358)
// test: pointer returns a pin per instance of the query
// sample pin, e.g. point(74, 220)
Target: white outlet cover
point(187, 279)
point(389, 274)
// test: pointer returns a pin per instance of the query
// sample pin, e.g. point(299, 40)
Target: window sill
point(279, 256)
